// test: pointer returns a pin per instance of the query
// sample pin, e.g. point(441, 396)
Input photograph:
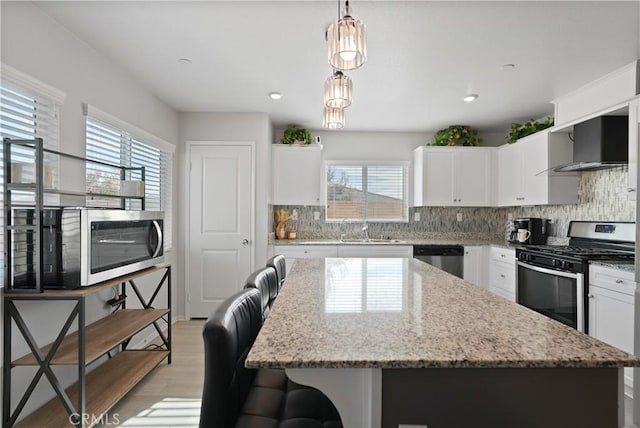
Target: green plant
point(294, 133)
point(456, 135)
point(531, 127)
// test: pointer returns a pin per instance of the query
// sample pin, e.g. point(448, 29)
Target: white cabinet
point(375, 251)
point(293, 252)
point(502, 272)
point(297, 172)
point(452, 176)
point(523, 171)
point(611, 309)
point(473, 270)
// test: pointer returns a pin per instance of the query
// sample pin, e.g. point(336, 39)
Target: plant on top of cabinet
point(531, 127)
point(296, 135)
point(456, 135)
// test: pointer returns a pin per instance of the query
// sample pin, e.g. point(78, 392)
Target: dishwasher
point(449, 258)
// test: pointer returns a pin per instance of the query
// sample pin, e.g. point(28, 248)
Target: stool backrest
point(279, 263)
point(266, 281)
point(228, 336)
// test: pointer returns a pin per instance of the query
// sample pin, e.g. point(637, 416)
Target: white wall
point(254, 127)
point(36, 45)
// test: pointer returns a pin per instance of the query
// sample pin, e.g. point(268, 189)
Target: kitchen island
point(396, 341)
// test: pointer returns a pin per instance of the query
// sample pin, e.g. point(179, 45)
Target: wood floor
point(170, 395)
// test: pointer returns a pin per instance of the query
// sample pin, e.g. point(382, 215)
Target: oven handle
point(549, 271)
point(159, 233)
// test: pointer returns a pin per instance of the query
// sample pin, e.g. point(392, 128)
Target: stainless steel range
point(554, 280)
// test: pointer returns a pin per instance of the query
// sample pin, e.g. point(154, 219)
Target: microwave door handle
point(116, 241)
point(159, 233)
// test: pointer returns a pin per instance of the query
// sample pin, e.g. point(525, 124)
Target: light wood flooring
point(170, 395)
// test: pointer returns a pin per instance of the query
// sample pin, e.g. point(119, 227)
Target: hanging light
point(337, 90)
point(347, 42)
point(333, 118)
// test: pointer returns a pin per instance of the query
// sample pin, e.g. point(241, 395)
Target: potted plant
point(456, 135)
point(531, 127)
point(296, 135)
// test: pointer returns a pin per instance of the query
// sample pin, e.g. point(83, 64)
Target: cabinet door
point(535, 162)
point(634, 133)
point(472, 270)
point(297, 173)
point(375, 251)
point(438, 176)
point(473, 177)
point(509, 175)
point(293, 252)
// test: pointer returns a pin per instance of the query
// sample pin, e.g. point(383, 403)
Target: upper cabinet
point(634, 133)
point(524, 177)
point(452, 176)
point(297, 172)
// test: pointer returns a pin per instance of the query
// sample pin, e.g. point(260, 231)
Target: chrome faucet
point(365, 231)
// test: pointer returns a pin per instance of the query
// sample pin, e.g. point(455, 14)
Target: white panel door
point(220, 216)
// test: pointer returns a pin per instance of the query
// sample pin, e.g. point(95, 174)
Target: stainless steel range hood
point(601, 142)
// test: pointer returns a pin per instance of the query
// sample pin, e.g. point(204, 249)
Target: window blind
point(367, 192)
point(25, 115)
point(109, 144)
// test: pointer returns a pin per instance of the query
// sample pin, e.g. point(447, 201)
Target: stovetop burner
point(582, 252)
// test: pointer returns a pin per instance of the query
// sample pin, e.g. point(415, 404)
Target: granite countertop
point(626, 267)
point(403, 313)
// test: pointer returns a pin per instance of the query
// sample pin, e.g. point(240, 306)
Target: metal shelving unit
point(36, 188)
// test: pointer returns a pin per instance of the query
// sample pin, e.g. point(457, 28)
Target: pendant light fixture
point(338, 90)
point(333, 118)
point(347, 42)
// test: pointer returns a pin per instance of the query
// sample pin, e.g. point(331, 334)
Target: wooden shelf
point(101, 336)
point(105, 386)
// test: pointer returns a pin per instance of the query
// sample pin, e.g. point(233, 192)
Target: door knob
point(245, 242)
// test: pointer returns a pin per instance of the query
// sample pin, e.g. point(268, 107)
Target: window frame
point(405, 165)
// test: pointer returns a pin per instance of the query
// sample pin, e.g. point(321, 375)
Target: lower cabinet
point(473, 270)
point(293, 252)
point(502, 272)
point(611, 310)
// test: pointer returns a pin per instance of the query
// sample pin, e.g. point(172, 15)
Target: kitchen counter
point(400, 241)
point(626, 267)
point(413, 316)
point(397, 341)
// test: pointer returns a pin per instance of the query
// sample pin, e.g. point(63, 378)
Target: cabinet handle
point(502, 275)
point(503, 255)
point(466, 252)
point(630, 189)
point(590, 296)
point(619, 281)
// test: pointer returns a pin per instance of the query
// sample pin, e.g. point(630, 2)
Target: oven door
point(556, 294)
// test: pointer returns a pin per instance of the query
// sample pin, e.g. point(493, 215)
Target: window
point(112, 145)
point(28, 109)
point(367, 191)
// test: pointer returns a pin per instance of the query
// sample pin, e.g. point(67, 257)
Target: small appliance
point(528, 231)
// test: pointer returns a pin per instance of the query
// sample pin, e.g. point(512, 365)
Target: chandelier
point(333, 118)
point(337, 90)
point(347, 42)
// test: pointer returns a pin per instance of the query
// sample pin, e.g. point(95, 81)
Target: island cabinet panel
point(452, 176)
point(611, 310)
point(525, 175)
point(502, 275)
point(293, 252)
point(297, 172)
point(473, 268)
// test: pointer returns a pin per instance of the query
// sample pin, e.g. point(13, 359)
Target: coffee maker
point(529, 231)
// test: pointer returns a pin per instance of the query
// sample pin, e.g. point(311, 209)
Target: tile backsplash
point(602, 196)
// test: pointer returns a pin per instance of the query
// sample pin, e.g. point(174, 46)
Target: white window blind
point(25, 115)
point(109, 144)
point(367, 192)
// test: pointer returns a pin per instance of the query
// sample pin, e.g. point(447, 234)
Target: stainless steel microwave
point(85, 246)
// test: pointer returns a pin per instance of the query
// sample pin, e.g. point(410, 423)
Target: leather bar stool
point(266, 281)
point(280, 265)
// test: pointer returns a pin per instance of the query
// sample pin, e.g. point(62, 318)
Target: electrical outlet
point(459, 216)
point(294, 214)
point(416, 216)
point(316, 215)
point(510, 216)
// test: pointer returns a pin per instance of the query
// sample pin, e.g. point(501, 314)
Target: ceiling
point(423, 56)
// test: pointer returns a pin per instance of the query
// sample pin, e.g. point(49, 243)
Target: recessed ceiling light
point(275, 95)
point(184, 61)
point(470, 98)
point(508, 67)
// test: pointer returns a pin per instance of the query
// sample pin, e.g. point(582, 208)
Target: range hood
point(601, 142)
